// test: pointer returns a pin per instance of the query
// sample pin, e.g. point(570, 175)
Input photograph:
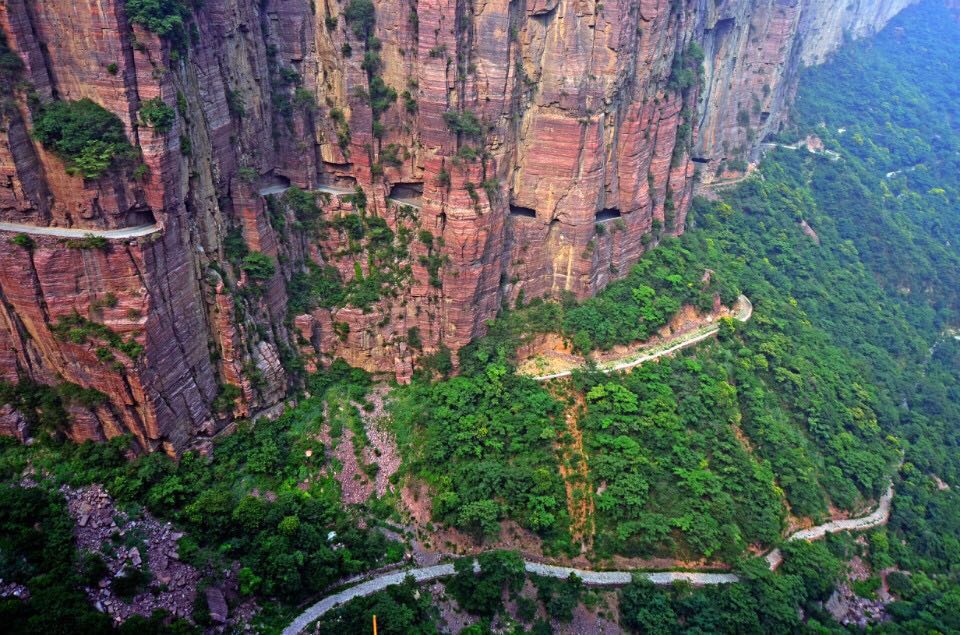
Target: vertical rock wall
point(754, 52)
point(533, 147)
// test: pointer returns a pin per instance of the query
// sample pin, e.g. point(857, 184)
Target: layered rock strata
point(535, 147)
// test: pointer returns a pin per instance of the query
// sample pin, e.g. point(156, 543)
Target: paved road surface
point(591, 578)
point(274, 189)
point(879, 517)
point(597, 578)
point(415, 203)
point(325, 189)
point(683, 341)
point(69, 232)
point(428, 574)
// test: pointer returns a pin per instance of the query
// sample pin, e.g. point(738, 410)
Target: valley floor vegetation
point(266, 498)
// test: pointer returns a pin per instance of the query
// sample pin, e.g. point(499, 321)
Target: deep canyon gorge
point(462, 154)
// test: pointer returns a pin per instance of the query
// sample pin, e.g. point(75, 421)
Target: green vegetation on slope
point(677, 480)
point(37, 550)
point(484, 443)
point(897, 199)
point(265, 498)
point(364, 239)
point(85, 135)
point(848, 365)
point(628, 310)
point(400, 609)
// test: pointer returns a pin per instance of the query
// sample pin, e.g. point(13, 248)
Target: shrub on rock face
point(465, 123)
point(361, 16)
point(89, 241)
point(10, 63)
point(163, 17)
point(22, 240)
point(158, 115)
point(258, 266)
point(85, 135)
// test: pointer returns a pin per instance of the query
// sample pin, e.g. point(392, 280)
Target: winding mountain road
point(70, 232)
point(878, 517)
point(436, 572)
point(590, 578)
point(667, 348)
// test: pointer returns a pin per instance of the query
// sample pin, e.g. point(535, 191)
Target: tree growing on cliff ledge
point(361, 16)
point(163, 17)
point(88, 137)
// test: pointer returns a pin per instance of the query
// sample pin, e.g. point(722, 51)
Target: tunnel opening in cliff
point(700, 159)
point(522, 212)
point(406, 190)
point(141, 216)
point(588, 116)
point(337, 184)
point(723, 26)
point(609, 213)
point(272, 183)
point(407, 193)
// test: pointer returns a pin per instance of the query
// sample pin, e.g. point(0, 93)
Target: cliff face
point(501, 147)
point(754, 51)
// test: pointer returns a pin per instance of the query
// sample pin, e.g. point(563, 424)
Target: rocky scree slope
point(532, 147)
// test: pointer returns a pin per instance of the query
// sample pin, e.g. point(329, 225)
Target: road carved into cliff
point(70, 232)
point(277, 190)
point(670, 346)
point(611, 579)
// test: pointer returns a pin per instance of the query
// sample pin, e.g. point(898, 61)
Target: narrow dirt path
point(576, 478)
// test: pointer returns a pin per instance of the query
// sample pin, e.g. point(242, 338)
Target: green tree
point(258, 266)
point(158, 115)
point(86, 136)
point(166, 18)
point(480, 593)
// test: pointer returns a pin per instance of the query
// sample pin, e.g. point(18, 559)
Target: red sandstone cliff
point(754, 51)
point(588, 116)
